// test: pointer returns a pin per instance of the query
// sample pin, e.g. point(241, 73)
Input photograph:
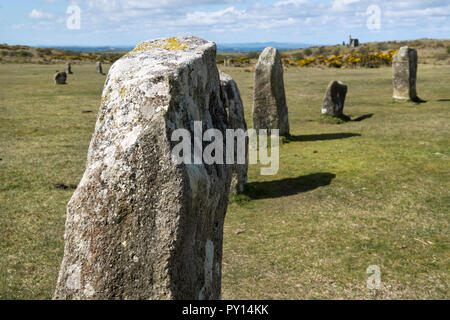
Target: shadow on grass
point(443, 100)
point(417, 100)
point(363, 117)
point(323, 136)
point(288, 186)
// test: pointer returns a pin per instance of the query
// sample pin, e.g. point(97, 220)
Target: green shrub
point(308, 52)
point(24, 54)
point(298, 56)
point(253, 55)
point(448, 49)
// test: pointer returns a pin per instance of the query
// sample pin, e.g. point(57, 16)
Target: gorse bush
point(366, 59)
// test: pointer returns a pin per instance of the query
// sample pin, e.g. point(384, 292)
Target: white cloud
point(38, 14)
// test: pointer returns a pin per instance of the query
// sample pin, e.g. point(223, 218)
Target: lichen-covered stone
point(138, 225)
point(269, 100)
point(236, 120)
point(60, 77)
point(404, 74)
point(333, 103)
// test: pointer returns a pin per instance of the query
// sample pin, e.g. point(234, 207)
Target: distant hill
point(90, 49)
point(259, 46)
point(226, 47)
point(436, 51)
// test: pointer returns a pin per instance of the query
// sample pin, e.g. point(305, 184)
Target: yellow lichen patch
point(168, 44)
point(122, 92)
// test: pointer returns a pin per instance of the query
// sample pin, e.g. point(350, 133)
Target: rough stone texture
point(60, 77)
point(236, 120)
point(69, 68)
point(269, 100)
point(333, 103)
point(404, 73)
point(138, 226)
point(99, 67)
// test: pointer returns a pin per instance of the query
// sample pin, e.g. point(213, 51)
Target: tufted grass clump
point(329, 119)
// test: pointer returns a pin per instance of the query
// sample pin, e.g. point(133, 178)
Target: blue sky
point(127, 22)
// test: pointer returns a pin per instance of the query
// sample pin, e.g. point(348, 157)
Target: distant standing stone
point(333, 103)
point(69, 68)
point(404, 74)
point(99, 67)
point(139, 225)
point(60, 77)
point(236, 120)
point(269, 100)
point(228, 62)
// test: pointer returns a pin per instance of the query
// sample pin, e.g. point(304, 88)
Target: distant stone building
point(353, 42)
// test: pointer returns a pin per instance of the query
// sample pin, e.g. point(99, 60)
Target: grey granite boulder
point(269, 100)
point(404, 74)
point(60, 77)
point(333, 103)
point(236, 120)
point(140, 226)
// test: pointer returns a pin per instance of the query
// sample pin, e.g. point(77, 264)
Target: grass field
point(369, 192)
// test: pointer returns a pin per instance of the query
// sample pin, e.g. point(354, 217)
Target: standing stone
point(69, 68)
point(140, 226)
point(60, 77)
point(404, 73)
point(228, 62)
point(99, 67)
point(236, 120)
point(333, 103)
point(269, 100)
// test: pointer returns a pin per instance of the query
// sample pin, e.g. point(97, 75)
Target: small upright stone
point(269, 100)
point(404, 74)
point(60, 77)
point(99, 67)
point(69, 68)
point(141, 225)
point(228, 62)
point(333, 103)
point(236, 120)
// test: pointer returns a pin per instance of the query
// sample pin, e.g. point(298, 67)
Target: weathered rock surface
point(60, 77)
point(333, 103)
point(138, 225)
point(404, 74)
point(236, 120)
point(269, 100)
point(99, 67)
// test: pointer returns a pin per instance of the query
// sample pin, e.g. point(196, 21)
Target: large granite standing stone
point(269, 100)
point(140, 226)
point(60, 77)
point(404, 74)
point(236, 120)
point(333, 103)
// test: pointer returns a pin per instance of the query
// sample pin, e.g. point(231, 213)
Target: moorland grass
point(371, 191)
